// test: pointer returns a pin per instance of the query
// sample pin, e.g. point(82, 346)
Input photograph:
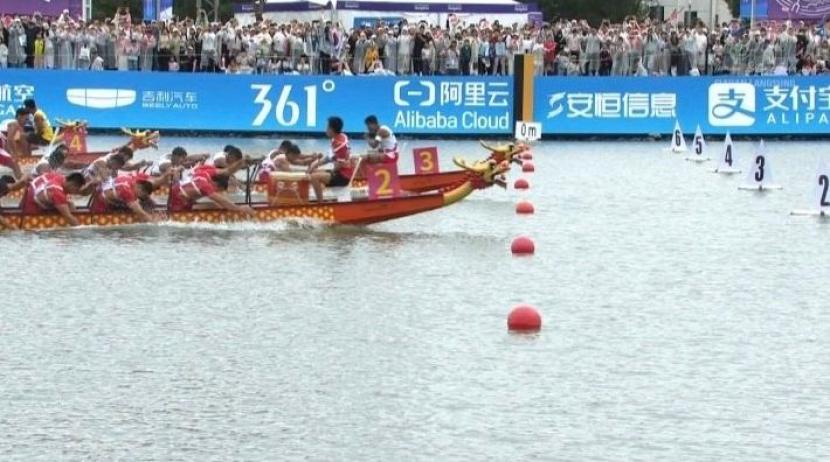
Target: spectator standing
point(418, 44)
point(465, 57)
point(452, 59)
point(17, 44)
point(39, 50)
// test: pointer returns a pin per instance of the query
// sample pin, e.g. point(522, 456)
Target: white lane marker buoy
point(820, 203)
point(678, 142)
point(759, 174)
point(698, 147)
point(728, 159)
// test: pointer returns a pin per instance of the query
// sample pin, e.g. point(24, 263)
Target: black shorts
point(338, 180)
point(36, 140)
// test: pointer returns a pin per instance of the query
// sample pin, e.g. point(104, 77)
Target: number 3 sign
point(383, 180)
point(426, 160)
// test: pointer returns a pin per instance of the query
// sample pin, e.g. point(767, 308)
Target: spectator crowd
point(563, 47)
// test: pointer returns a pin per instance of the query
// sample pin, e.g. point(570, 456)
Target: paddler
point(289, 155)
point(207, 181)
point(55, 161)
point(178, 157)
point(128, 153)
point(340, 154)
point(220, 159)
point(103, 168)
point(49, 192)
point(7, 185)
point(382, 143)
point(42, 132)
point(17, 143)
point(129, 192)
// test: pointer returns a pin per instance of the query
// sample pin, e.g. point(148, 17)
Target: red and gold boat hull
point(356, 212)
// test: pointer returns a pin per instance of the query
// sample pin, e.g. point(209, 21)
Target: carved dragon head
point(485, 173)
point(142, 139)
point(505, 152)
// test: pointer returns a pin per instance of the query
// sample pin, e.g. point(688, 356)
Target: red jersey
point(45, 192)
point(116, 192)
point(200, 184)
point(341, 152)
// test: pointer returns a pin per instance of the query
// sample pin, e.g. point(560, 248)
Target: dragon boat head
point(142, 139)
point(485, 173)
point(506, 152)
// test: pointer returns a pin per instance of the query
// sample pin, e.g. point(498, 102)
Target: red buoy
point(527, 166)
point(527, 156)
point(524, 207)
point(524, 318)
point(521, 183)
point(522, 245)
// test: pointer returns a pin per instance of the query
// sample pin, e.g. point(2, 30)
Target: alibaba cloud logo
point(731, 104)
point(407, 93)
point(555, 103)
point(100, 98)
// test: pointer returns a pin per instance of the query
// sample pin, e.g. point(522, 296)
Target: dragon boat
point(291, 203)
point(417, 183)
point(73, 135)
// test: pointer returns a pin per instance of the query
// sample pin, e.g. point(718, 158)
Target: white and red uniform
point(211, 162)
point(269, 165)
point(166, 160)
point(185, 193)
point(44, 193)
point(388, 146)
point(342, 152)
point(116, 192)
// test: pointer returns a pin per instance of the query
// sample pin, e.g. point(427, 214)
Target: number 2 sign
point(383, 180)
point(426, 160)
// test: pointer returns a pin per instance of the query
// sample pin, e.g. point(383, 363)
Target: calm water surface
point(684, 320)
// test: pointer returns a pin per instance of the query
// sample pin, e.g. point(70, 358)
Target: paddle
point(348, 189)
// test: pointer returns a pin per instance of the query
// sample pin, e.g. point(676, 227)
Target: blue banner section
point(266, 103)
point(759, 9)
point(647, 105)
point(150, 11)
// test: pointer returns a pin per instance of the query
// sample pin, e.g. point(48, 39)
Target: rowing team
point(192, 177)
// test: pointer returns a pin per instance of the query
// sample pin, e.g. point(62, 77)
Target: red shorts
point(390, 157)
point(178, 202)
point(28, 205)
point(265, 176)
point(98, 204)
point(6, 159)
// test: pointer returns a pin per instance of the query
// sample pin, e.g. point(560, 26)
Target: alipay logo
point(731, 104)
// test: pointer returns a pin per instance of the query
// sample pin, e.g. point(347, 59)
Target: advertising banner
point(650, 105)
point(812, 10)
point(264, 103)
point(759, 10)
point(52, 8)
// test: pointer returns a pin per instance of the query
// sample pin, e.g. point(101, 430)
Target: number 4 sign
point(75, 139)
point(426, 160)
point(383, 180)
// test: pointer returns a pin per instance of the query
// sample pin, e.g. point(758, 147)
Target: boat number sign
point(75, 139)
point(426, 160)
point(383, 180)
